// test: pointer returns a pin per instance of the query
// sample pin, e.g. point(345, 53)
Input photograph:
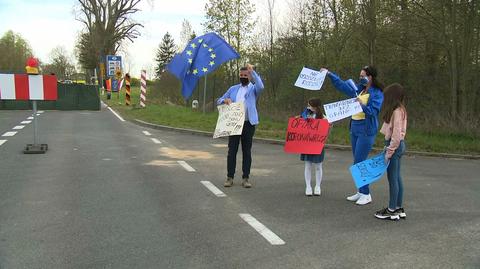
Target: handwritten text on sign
point(230, 120)
point(310, 79)
point(369, 171)
point(306, 136)
point(342, 109)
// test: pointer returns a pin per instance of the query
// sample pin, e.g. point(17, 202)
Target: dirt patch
point(185, 154)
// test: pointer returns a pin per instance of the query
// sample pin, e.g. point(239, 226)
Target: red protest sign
point(306, 136)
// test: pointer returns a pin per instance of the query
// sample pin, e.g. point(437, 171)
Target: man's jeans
point(233, 141)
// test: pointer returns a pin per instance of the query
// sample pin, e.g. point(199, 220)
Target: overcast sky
point(46, 24)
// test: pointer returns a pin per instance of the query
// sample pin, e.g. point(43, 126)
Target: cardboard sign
point(342, 109)
point(310, 79)
point(230, 120)
point(306, 136)
point(369, 171)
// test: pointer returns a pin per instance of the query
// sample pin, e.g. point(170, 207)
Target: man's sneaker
point(364, 199)
point(354, 197)
point(246, 184)
point(401, 212)
point(387, 214)
point(308, 191)
point(228, 182)
point(317, 191)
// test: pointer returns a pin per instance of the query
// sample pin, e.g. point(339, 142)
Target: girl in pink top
point(394, 128)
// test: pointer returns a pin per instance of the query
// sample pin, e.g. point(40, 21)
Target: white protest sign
point(230, 120)
point(342, 109)
point(310, 79)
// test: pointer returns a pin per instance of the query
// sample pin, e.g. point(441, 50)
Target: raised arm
point(257, 82)
point(347, 88)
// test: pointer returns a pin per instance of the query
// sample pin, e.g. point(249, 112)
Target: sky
point(46, 24)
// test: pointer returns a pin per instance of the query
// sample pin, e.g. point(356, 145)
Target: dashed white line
point(271, 237)
point(115, 113)
point(213, 189)
point(18, 127)
point(156, 141)
point(26, 122)
point(30, 118)
point(147, 133)
point(186, 166)
point(9, 134)
point(2, 142)
point(40, 111)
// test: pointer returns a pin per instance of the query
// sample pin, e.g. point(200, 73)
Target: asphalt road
point(108, 195)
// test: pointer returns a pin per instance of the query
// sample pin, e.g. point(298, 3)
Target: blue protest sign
point(369, 171)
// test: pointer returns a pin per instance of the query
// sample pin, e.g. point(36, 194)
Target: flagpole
point(204, 93)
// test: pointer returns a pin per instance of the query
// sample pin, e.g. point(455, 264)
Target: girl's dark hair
point(393, 98)
point(317, 104)
point(372, 71)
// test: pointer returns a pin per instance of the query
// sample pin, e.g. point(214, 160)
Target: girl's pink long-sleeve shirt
point(395, 130)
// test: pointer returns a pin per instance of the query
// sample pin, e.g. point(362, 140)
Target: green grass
point(183, 117)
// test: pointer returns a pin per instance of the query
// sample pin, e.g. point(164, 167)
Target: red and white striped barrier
point(28, 87)
point(143, 88)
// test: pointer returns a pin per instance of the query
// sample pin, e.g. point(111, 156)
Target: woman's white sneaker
point(354, 197)
point(364, 199)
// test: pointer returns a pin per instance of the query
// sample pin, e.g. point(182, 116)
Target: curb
point(281, 142)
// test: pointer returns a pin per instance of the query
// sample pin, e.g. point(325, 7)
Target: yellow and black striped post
point(127, 89)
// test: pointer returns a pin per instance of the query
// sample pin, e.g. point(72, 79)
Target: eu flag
point(203, 55)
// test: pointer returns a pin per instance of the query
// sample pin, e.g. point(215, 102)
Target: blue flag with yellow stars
point(203, 55)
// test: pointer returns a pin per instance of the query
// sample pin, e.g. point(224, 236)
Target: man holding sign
point(363, 125)
point(247, 91)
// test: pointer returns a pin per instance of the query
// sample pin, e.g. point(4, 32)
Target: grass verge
point(183, 117)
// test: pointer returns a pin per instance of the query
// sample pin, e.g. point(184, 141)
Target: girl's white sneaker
point(308, 191)
point(317, 191)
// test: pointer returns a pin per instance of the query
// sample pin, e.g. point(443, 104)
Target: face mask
point(244, 81)
point(364, 81)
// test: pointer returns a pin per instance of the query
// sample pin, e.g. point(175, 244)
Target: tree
point(232, 20)
point(15, 51)
point(107, 23)
point(165, 52)
point(60, 64)
point(186, 34)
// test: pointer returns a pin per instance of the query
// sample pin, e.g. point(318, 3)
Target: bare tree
point(107, 24)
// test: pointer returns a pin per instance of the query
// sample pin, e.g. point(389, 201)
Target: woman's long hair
point(393, 98)
point(317, 105)
point(372, 71)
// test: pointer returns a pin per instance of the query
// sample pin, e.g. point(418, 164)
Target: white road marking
point(156, 141)
point(186, 166)
point(40, 111)
point(2, 142)
point(146, 133)
point(115, 113)
point(30, 118)
point(271, 237)
point(9, 134)
point(18, 127)
point(213, 189)
point(26, 122)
